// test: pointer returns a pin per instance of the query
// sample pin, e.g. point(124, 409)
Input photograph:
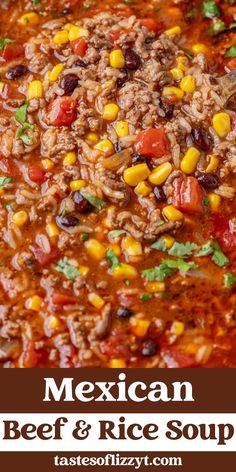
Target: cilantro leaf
point(160, 272)
point(94, 201)
point(112, 259)
point(145, 297)
point(21, 112)
point(219, 257)
point(217, 26)
point(115, 233)
point(231, 51)
point(4, 42)
point(159, 245)
point(181, 265)
point(22, 135)
point(182, 249)
point(4, 181)
point(205, 250)
point(70, 271)
point(210, 9)
point(229, 280)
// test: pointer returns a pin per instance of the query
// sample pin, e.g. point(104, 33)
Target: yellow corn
point(83, 270)
point(182, 63)
point(47, 164)
point(52, 230)
point(190, 160)
point(30, 18)
point(105, 146)
point(177, 328)
point(34, 303)
point(160, 173)
point(1, 87)
point(95, 249)
point(173, 91)
point(2, 191)
point(62, 37)
point(155, 287)
point(143, 189)
point(92, 137)
point(134, 175)
point(70, 159)
point(125, 271)
point(222, 124)
point(122, 128)
point(55, 72)
point(213, 164)
point(168, 240)
point(20, 218)
point(199, 47)
point(131, 246)
point(68, 26)
point(188, 84)
point(117, 364)
point(76, 32)
point(96, 300)
point(173, 31)
point(35, 89)
point(110, 111)
point(115, 248)
point(77, 185)
point(172, 214)
point(214, 201)
point(177, 73)
point(139, 327)
point(117, 59)
point(53, 322)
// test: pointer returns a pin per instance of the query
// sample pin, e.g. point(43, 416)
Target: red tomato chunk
point(188, 195)
point(152, 142)
point(62, 111)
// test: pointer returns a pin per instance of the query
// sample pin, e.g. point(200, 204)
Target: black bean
point(124, 313)
point(82, 205)
point(118, 147)
point(16, 72)
point(68, 221)
point(132, 60)
point(201, 138)
point(209, 181)
point(159, 194)
point(140, 159)
point(69, 82)
point(149, 348)
point(80, 63)
point(67, 11)
point(121, 80)
point(167, 107)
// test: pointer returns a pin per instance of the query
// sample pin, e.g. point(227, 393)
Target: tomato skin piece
point(114, 36)
point(12, 51)
point(152, 142)
point(37, 174)
point(30, 357)
point(188, 195)
point(80, 46)
point(44, 258)
point(59, 298)
point(225, 234)
point(174, 358)
point(151, 24)
point(62, 111)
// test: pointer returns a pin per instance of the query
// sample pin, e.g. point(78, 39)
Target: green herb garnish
point(70, 271)
point(210, 9)
point(115, 233)
point(229, 280)
point(165, 269)
point(4, 42)
point(145, 297)
point(112, 259)
point(4, 181)
point(94, 201)
point(212, 247)
point(84, 236)
point(231, 52)
point(217, 26)
point(24, 136)
point(182, 249)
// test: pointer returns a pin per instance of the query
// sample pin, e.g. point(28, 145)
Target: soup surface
point(117, 184)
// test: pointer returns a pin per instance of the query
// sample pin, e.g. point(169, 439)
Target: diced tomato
point(128, 300)
point(174, 358)
point(62, 111)
point(151, 25)
point(30, 356)
point(45, 258)
point(80, 46)
point(37, 174)
point(12, 51)
point(59, 298)
point(116, 346)
point(225, 232)
point(152, 142)
point(8, 167)
point(230, 65)
point(188, 195)
point(115, 35)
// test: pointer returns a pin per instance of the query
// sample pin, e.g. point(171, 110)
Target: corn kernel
point(139, 327)
point(125, 271)
point(177, 328)
point(214, 201)
point(143, 189)
point(77, 184)
point(96, 300)
point(55, 72)
point(109, 84)
point(155, 287)
point(122, 128)
point(95, 249)
point(30, 18)
point(177, 73)
point(131, 246)
point(134, 175)
point(172, 213)
point(188, 84)
point(1, 86)
point(110, 111)
point(70, 159)
point(182, 63)
point(35, 89)
point(52, 230)
point(2, 191)
point(76, 32)
point(34, 303)
point(199, 48)
point(117, 364)
point(213, 164)
point(20, 218)
point(83, 270)
point(117, 59)
point(173, 91)
point(221, 124)
point(160, 173)
point(62, 37)
point(53, 322)
point(92, 137)
point(173, 31)
point(47, 164)
point(105, 146)
point(168, 240)
point(190, 160)
point(68, 26)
